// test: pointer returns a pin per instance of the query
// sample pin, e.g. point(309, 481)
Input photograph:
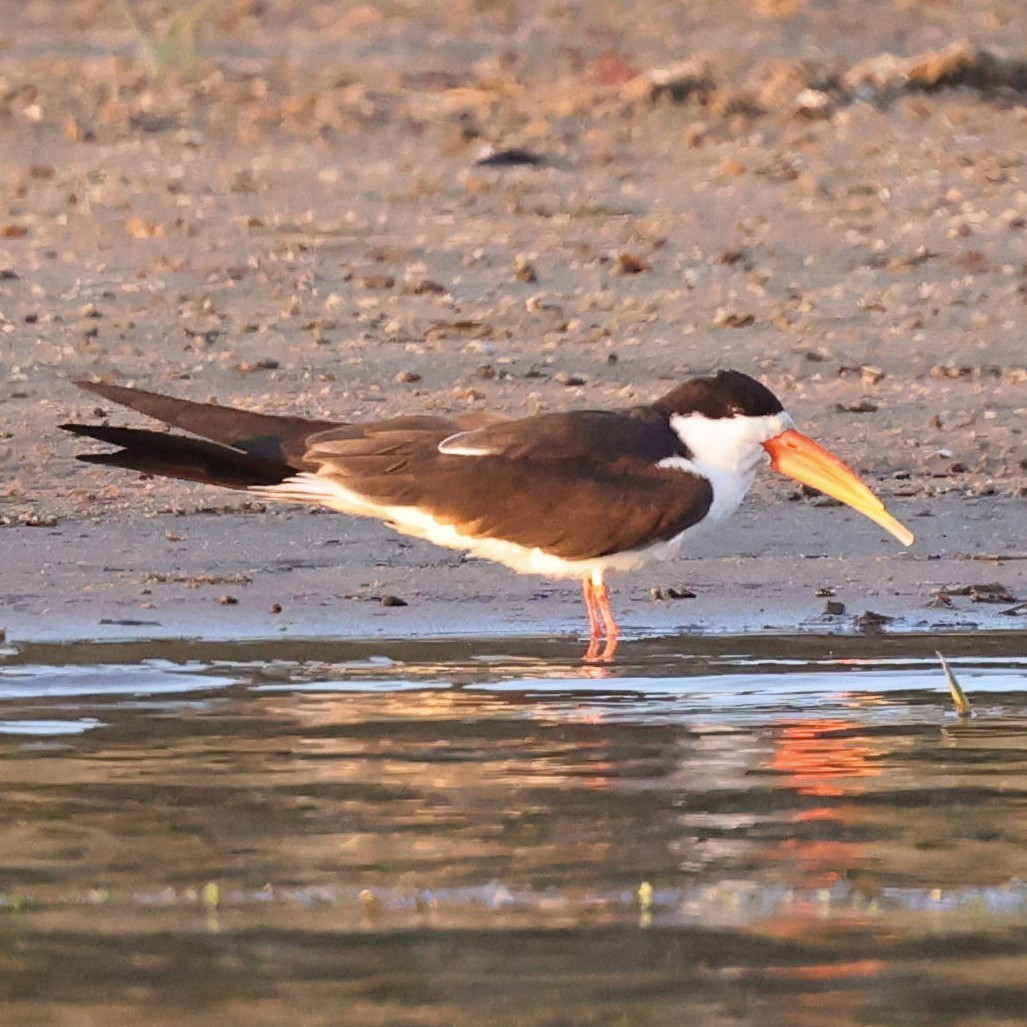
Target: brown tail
point(244, 448)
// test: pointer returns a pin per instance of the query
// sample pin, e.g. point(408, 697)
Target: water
point(713, 831)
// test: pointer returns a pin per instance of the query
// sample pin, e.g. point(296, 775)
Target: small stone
point(513, 157)
point(862, 406)
point(407, 377)
point(540, 301)
point(674, 83)
point(813, 103)
point(264, 364)
point(950, 371)
point(227, 600)
point(570, 380)
point(730, 319)
point(732, 168)
point(991, 593)
point(628, 264)
point(870, 620)
point(694, 135)
point(141, 228)
point(524, 270)
point(730, 257)
point(834, 608)
point(391, 600)
point(377, 281)
point(425, 287)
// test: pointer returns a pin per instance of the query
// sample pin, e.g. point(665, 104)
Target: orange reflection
point(818, 757)
point(831, 971)
point(828, 760)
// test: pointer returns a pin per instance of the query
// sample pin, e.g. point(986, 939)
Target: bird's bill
point(806, 461)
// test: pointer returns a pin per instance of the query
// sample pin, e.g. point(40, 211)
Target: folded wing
point(578, 485)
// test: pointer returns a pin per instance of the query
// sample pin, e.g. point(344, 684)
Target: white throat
point(727, 451)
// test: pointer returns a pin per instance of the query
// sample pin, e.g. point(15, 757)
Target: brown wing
point(578, 485)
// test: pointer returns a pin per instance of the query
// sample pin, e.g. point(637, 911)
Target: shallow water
point(711, 831)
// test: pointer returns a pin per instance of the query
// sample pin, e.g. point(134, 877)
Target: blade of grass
point(147, 47)
point(959, 698)
point(178, 47)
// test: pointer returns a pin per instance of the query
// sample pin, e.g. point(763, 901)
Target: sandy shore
point(282, 209)
point(231, 576)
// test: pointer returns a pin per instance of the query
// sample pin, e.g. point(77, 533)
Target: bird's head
point(730, 422)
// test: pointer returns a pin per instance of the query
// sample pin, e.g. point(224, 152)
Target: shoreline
point(224, 576)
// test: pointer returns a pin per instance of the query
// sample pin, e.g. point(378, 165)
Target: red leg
point(592, 608)
point(609, 622)
point(603, 605)
point(595, 629)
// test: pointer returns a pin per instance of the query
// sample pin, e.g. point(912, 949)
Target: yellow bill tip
point(893, 526)
point(808, 462)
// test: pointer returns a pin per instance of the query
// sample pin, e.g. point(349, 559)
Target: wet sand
point(286, 213)
point(233, 576)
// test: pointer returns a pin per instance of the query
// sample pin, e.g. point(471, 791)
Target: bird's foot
point(601, 650)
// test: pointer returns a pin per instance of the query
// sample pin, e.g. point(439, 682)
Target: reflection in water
point(316, 834)
point(823, 757)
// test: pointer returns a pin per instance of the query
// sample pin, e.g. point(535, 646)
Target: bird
point(579, 494)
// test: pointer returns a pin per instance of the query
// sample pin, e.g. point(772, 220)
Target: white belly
point(312, 488)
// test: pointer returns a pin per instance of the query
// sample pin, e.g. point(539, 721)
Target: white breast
point(729, 487)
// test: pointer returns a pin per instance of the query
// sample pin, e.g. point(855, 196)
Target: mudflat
point(286, 207)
